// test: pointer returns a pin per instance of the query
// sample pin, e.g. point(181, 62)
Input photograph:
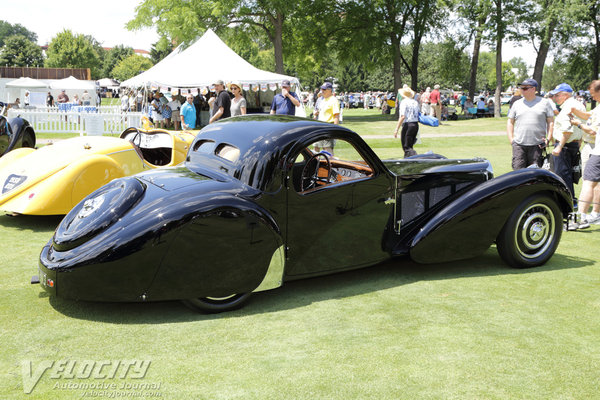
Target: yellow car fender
point(59, 193)
point(15, 154)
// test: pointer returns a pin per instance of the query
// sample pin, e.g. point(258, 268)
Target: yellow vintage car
point(53, 179)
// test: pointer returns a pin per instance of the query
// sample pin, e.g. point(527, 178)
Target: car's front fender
point(470, 224)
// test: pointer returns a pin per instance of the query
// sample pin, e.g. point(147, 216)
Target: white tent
point(72, 83)
point(107, 82)
point(203, 63)
point(27, 83)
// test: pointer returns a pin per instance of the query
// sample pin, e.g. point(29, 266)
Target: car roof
point(263, 142)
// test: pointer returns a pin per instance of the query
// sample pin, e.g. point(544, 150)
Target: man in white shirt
point(567, 137)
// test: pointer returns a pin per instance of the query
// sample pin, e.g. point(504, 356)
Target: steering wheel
point(308, 178)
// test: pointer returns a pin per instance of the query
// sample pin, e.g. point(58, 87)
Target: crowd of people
point(562, 121)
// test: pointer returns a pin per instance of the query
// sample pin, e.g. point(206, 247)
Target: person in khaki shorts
point(529, 126)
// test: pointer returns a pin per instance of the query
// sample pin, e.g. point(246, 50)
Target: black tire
point(28, 140)
point(532, 233)
point(213, 305)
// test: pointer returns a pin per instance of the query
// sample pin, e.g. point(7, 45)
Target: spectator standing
point(463, 100)
point(124, 101)
point(26, 98)
point(425, 104)
point(286, 101)
point(86, 99)
point(436, 103)
point(49, 100)
point(222, 106)
point(590, 154)
point(409, 120)
point(62, 97)
point(566, 136)
point(187, 113)
point(139, 99)
point(238, 103)
point(175, 105)
point(529, 126)
point(329, 111)
point(156, 106)
point(517, 95)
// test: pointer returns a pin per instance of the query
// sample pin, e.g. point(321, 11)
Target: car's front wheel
point(214, 305)
point(531, 234)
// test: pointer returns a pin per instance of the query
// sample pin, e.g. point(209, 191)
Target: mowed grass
point(473, 329)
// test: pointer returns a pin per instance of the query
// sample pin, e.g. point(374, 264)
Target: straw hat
point(230, 84)
point(406, 92)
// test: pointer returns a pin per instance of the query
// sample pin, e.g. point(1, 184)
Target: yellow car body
point(53, 179)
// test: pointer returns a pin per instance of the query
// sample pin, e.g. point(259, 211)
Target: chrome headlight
point(97, 212)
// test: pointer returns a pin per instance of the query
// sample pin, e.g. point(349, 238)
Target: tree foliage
point(19, 51)
point(67, 50)
point(130, 67)
point(7, 30)
point(113, 57)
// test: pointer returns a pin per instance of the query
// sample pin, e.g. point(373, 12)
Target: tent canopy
point(72, 83)
point(203, 63)
point(27, 83)
point(107, 82)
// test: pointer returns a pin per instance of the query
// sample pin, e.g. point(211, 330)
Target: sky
point(105, 21)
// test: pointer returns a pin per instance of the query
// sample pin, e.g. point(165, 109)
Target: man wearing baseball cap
point(329, 111)
point(285, 102)
point(222, 106)
point(566, 137)
point(529, 126)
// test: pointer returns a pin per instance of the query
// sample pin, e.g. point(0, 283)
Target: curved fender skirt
point(469, 225)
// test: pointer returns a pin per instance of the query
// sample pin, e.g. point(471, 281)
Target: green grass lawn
point(473, 329)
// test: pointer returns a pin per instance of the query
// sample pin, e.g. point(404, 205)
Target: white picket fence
point(109, 120)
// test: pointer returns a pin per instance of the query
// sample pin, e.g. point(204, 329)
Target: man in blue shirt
point(286, 102)
point(188, 113)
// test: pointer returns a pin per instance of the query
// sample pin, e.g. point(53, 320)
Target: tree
point(113, 57)
point(18, 51)
point(183, 20)
point(67, 50)
point(130, 67)
point(162, 48)
point(548, 23)
point(7, 30)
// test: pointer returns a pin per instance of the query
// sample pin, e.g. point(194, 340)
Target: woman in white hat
point(238, 103)
point(409, 120)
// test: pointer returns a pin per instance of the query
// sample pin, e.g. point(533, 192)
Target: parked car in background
point(53, 179)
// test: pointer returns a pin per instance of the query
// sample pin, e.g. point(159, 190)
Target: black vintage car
point(15, 133)
point(254, 206)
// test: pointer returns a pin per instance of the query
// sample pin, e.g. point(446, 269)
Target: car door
point(338, 224)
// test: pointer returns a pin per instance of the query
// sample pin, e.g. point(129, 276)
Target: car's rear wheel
point(214, 305)
point(531, 234)
point(28, 140)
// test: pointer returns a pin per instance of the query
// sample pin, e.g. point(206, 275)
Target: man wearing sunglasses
point(529, 127)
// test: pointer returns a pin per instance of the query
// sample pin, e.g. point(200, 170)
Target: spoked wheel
point(531, 234)
point(214, 305)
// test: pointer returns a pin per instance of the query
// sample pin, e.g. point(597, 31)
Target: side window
point(328, 162)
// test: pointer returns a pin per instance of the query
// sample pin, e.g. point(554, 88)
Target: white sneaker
point(593, 220)
point(573, 226)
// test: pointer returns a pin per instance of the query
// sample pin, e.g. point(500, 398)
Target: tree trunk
point(278, 42)
point(414, 64)
point(475, 59)
point(540, 60)
point(499, 37)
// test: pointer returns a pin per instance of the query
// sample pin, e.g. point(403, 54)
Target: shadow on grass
point(31, 222)
point(296, 294)
point(370, 118)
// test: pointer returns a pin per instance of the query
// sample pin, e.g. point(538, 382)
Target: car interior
point(156, 147)
point(313, 170)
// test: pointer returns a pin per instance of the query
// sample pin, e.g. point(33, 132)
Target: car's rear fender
point(230, 245)
point(470, 224)
point(58, 193)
